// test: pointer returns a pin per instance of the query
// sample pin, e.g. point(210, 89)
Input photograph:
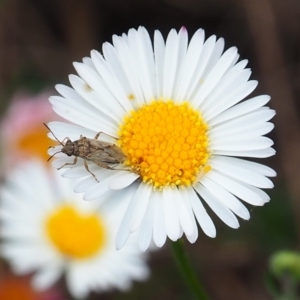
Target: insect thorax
point(68, 148)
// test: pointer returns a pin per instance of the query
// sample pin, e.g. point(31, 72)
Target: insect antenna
point(53, 155)
point(54, 136)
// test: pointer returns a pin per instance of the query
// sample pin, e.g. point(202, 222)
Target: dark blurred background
point(39, 40)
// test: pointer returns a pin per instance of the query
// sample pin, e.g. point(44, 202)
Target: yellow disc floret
point(166, 143)
point(74, 234)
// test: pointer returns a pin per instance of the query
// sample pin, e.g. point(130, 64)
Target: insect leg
point(61, 142)
point(98, 134)
point(114, 168)
point(105, 166)
point(66, 138)
point(73, 163)
point(87, 168)
point(102, 165)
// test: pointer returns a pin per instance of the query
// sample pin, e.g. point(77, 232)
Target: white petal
point(76, 283)
point(46, 277)
point(147, 46)
point(139, 48)
point(246, 144)
point(101, 102)
point(63, 130)
point(170, 64)
point(83, 116)
point(111, 80)
point(229, 82)
point(79, 171)
point(190, 63)
point(114, 65)
point(214, 57)
point(96, 83)
point(244, 192)
point(140, 208)
point(146, 228)
point(183, 213)
point(243, 108)
point(201, 215)
point(214, 76)
point(37, 255)
point(185, 196)
point(123, 181)
point(88, 182)
point(250, 165)
point(14, 226)
point(123, 232)
point(241, 65)
point(159, 227)
point(88, 61)
point(253, 178)
point(100, 188)
point(171, 217)
point(72, 96)
point(262, 153)
point(22, 182)
point(182, 49)
point(219, 208)
point(226, 198)
point(61, 161)
point(130, 67)
point(249, 130)
point(159, 53)
point(239, 93)
point(206, 52)
point(259, 116)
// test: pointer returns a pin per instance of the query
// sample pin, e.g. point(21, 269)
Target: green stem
point(187, 271)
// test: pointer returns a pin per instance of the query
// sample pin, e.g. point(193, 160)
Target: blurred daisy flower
point(22, 133)
point(173, 109)
point(48, 229)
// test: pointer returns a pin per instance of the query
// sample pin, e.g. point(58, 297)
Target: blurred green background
point(39, 40)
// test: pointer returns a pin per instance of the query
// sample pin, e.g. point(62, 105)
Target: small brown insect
point(101, 153)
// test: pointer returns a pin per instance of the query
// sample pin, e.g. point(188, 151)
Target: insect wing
point(112, 151)
point(117, 153)
point(98, 145)
point(101, 158)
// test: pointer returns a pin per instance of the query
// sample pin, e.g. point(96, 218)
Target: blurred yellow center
point(166, 143)
point(75, 234)
point(35, 142)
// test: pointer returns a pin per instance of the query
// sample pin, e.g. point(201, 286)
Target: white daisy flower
point(47, 228)
point(173, 109)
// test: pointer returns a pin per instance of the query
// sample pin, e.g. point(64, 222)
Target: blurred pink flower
point(22, 133)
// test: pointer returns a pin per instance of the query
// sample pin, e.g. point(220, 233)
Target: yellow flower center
point(75, 234)
point(166, 143)
point(35, 142)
